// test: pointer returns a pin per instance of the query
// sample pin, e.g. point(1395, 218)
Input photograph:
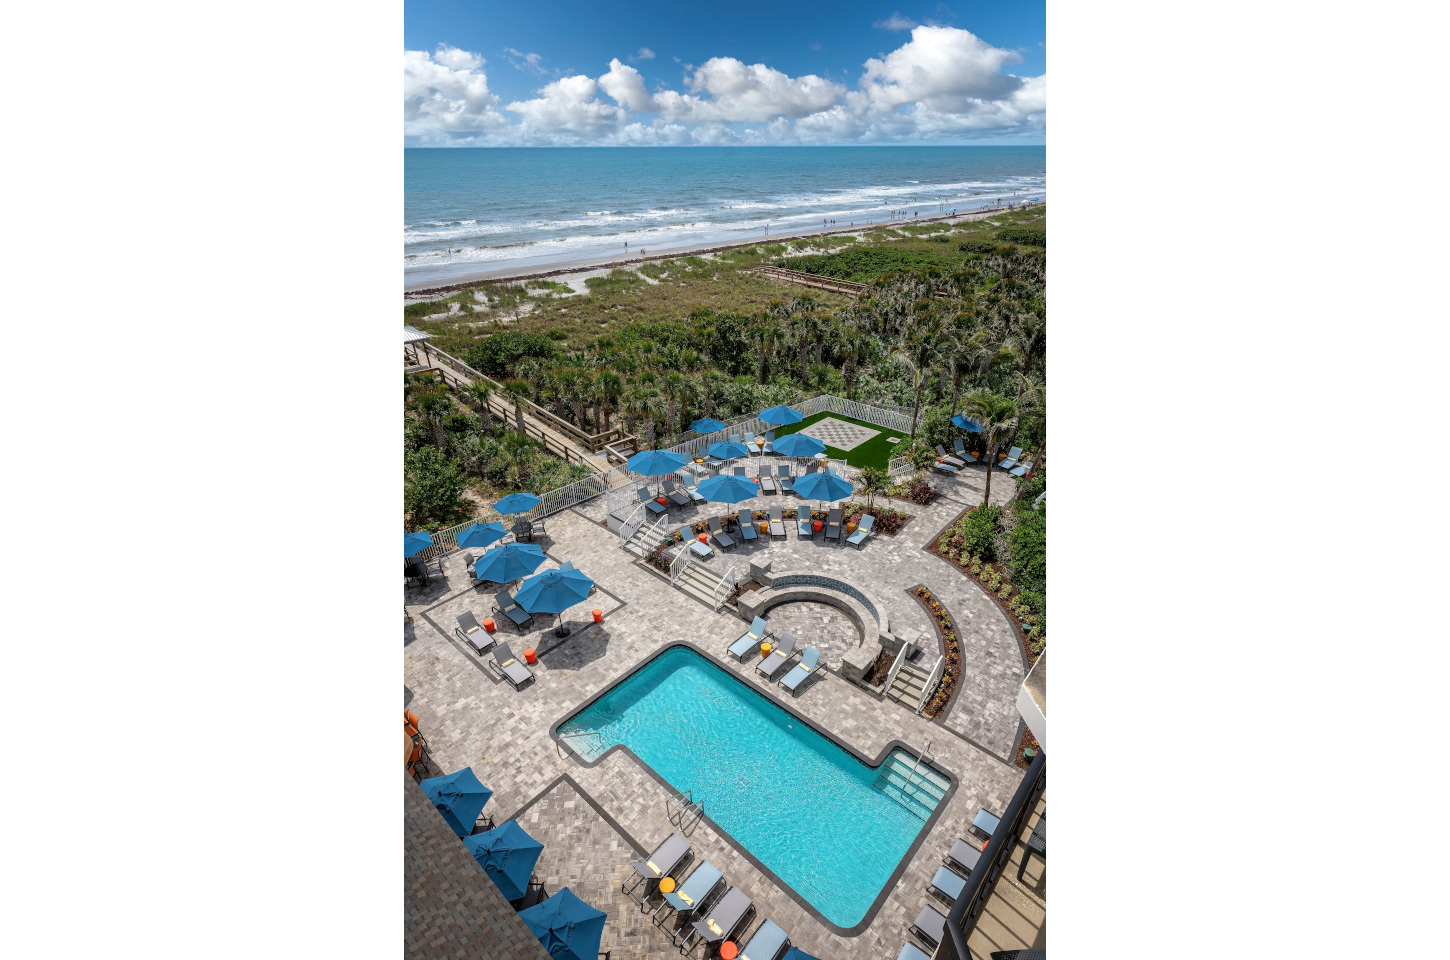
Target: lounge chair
point(759, 630)
point(784, 479)
point(986, 822)
point(944, 467)
point(506, 605)
point(767, 482)
point(766, 942)
point(692, 487)
point(738, 471)
point(659, 864)
point(863, 530)
point(948, 458)
point(963, 454)
point(947, 884)
point(963, 857)
point(720, 536)
point(800, 671)
point(833, 524)
point(678, 497)
point(468, 561)
point(804, 528)
point(696, 547)
point(777, 522)
point(778, 656)
point(910, 951)
point(747, 526)
point(1012, 457)
point(515, 671)
point(749, 442)
point(653, 505)
point(929, 925)
point(691, 895)
point(769, 443)
point(722, 920)
point(734, 438)
point(471, 630)
point(1021, 469)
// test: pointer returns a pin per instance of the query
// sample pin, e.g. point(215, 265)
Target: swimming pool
point(830, 826)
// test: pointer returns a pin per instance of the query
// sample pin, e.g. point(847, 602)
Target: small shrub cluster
point(973, 537)
point(888, 519)
point(953, 666)
point(1023, 235)
point(915, 490)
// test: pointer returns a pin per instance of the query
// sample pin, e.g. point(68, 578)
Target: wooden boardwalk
point(848, 287)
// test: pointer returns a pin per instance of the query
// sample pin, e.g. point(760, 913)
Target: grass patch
point(876, 452)
point(865, 264)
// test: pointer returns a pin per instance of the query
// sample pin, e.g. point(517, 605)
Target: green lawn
point(876, 452)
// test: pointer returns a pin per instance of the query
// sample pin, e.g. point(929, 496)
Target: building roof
point(451, 909)
point(413, 334)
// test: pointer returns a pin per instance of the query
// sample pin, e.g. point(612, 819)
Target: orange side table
point(661, 501)
point(817, 525)
point(598, 615)
point(488, 624)
point(728, 950)
point(529, 655)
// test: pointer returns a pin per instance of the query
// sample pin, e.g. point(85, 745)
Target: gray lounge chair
point(749, 442)
point(734, 438)
point(1012, 457)
point(944, 467)
point(512, 668)
point(692, 487)
point(769, 443)
point(471, 630)
point(948, 458)
point(468, 561)
point(696, 547)
point(719, 534)
point(784, 479)
point(652, 504)
point(778, 656)
point(1021, 469)
point(863, 530)
point(659, 864)
point(833, 524)
point(767, 482)
point(777, 522)
point(747, 526)
point(724, 917)
point(929, 925)
point(947, 884)
point(678, 497)
point(910, 951)
point(750, 640)
point(986, 822)
point(691, 895)
point(506, 605)
point(963, 857)
point(798, 673)
point(963, 454)
point(804, 528)
point(738, 471)
point(766, 942)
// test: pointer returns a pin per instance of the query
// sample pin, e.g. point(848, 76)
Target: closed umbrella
point(508, 562)
point(507, 855)
point(554, 591)
point(517, 503)
point(480, 535)
point(416, 542)
point(727, 488)
point(459, 797)
point(826, 487)
point(799, 445)
point(707, 425)
point(728, 450)
point(568, 928)
point(779, 416)
point(966, 423)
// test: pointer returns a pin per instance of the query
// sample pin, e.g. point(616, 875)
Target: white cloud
point(445, 96)
point(531, 62)
point(741, 93)
point(626, 86)
point(895, 22)
point(944, 67)
point(568, 110)
point(644, 53)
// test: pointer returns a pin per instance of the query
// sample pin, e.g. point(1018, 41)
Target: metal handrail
point(677, 568)
point(896, 664)
point(625, 531)
point(931, 682)
point(730, 575)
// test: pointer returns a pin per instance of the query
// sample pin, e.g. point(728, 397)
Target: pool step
point(699, 583)
point(915, 786)
point(906, 688)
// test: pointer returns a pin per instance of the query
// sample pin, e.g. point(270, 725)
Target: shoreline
point(423, 292)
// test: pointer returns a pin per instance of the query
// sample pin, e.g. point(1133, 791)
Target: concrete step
point(699, 583)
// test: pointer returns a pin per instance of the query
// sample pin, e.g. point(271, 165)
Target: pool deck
point(595, 820)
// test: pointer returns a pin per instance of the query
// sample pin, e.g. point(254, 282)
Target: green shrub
point(1027, 549)
point(865, 264)
point(557, 334)
point(498, 353)
point(976, 246)
point(980, 533)
point(1023, 235)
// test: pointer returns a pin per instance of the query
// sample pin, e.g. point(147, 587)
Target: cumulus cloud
point(944, 67)
point(895, 22)
point(626, 86)
point(568, 109)
point(644, 53)
point(446, 97)
point(736, 92)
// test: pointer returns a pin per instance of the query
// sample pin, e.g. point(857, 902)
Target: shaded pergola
point(415, 350)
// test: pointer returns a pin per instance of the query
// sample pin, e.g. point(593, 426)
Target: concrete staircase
point(699, 583)
point(638, 545)
point(906, 688)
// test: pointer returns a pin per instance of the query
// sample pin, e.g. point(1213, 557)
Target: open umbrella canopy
point(727, 450)
point(966, 423)
point(799, 445)
point(415, 542)
point(656, 463)
point(569, 928)
point(517, 503)
point(480, 535)
point(508, 562)
point(728, 488)
point(707, 425)
point(553, 591)
point(507, 855)
point(780, 416)
point(459, 797)
point(823, 486)
point(796, 953)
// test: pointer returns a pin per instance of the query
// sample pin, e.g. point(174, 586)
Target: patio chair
point(784, 479)
point(769, 443)
point(777, 522)
point(804, 528)
point(678, 497)
point(747, 526)
point(723, 919)
point(659, 864)
point(509, 607)
point(738, 471)
point(468, 561)
point(766, 942)
point(720, 536)
point(910, 951)
point(1021, 469)
point(798, 673)
point(963, 857)
point(985, 822)
point(758, 631)
point(414, 574)
point(1035, 845)
point(812, 467)
point(693, 542)
point(963, 454)
point(653, 505)
point(944, 467)
point(863, 530)
point(947, 885)
point(515, 671)
point(734, 438)
point(778, 656)
point(471, 630)
point(930, 924)
point(1012, 457)
point(767, 482)
point(536, 528)
point(948, 458)
point(749, 442)
point(691, 895)
point(833, 524)
point(692, 487)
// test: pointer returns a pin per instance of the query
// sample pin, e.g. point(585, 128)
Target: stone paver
point(817, 624)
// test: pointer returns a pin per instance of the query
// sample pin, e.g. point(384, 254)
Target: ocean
point(479, 212)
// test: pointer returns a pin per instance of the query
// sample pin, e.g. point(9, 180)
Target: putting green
point(876, 452)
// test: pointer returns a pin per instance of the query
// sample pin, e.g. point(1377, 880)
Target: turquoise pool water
point(827, 824)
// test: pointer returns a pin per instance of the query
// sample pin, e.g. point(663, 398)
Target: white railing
point(727, 583)
point(693, 444)
point(678, 565)
point(652, 534)
point(631, 524)
point(931, 683)
point(896, 665)
point(899, 465)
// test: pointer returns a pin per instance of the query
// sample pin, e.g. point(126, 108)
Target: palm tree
point(572, 389)
point(764, 335)
point(873, 481)
point(998, 418)
point(920, 455)
point(611, 385)
point(1027, 341)
point(478, 393)
point(852, 344)
point(920, 349)
point(518, 452)
point(653, 408)
point(633, 406)
point(518, 392)
point(533, 372)
point(435, 405)
point(677, 389)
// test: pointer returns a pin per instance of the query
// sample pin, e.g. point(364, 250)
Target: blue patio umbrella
point(568, 928)
point(799, 445)
point(554, 591)
point(966, 423)
point(459, 797)
point(728, 488)
point(707, 425)
point(415, 542)
point(779, 416)
point(517, 503)
point(796, 953)
point(508, 562)
point(480, 535)
point(727, 450)
point(507, 855)
point(656, 463)
point(826, 487)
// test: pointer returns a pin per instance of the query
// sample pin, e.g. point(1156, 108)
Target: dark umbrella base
point(562, 630)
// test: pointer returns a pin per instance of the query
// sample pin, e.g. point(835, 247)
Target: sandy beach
point(428, 291)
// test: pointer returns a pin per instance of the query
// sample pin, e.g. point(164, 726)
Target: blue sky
point(744, 72)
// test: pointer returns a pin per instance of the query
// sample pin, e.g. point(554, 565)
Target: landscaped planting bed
point(946, 629)
point(967, 540)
